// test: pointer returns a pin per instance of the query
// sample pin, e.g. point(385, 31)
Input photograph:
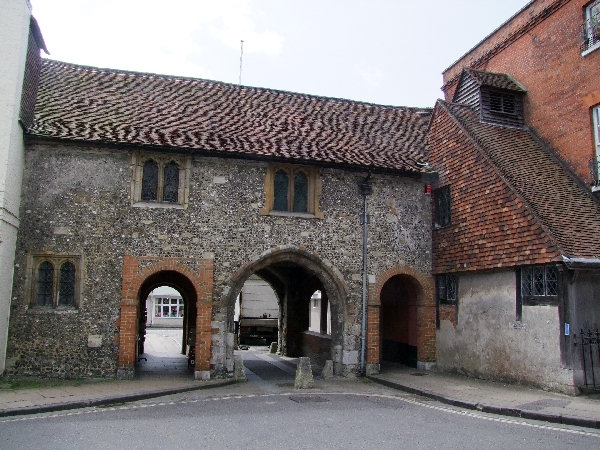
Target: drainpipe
point(366, 188)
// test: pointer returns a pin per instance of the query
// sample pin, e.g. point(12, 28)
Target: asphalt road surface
point(268, 413)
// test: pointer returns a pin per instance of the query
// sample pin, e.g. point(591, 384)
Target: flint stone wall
point(77, 201)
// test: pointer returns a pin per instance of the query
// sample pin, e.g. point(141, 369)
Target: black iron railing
point(589, 33)
point(589, 341)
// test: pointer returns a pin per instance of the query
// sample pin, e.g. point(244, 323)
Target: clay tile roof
point(89, 104)
point(495, 80)
point(569, 214)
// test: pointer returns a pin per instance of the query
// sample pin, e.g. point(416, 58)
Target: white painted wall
point(488, 342)
point(14, 32)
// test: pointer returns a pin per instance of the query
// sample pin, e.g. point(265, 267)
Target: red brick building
point(516, 252)
point(551, 48)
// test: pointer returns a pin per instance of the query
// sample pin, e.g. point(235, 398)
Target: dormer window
point(501, 107)
point(502, 103)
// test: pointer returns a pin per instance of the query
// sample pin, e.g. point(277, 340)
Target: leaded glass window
point(447, 288)
point(54, 280)
point(66, 283)
point(280, 194)
point(539, 281)
point(45, 284)
point(171, 183)
point(300, 192)
point(150, 181)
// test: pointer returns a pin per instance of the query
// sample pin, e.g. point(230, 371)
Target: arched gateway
point(295, 275)
point(401, 320)
point(192, 278)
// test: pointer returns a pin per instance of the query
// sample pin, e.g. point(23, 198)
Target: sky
point(389, 52)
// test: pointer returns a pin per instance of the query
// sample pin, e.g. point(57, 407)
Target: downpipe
point(366, 188)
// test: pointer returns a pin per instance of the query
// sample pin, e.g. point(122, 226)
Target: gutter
point(581, 263)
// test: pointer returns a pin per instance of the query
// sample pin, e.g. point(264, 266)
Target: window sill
point(593, 48)
point(157, 205)
point(49, 310)
point(291, 214)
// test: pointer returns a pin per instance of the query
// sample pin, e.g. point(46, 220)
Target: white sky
point(380, 51)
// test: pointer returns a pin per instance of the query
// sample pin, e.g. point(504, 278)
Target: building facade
point(516, 253)
point(20, 44)
point(134, 181)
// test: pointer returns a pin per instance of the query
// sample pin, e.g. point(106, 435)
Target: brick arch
point(136, 270)
point(426, 333)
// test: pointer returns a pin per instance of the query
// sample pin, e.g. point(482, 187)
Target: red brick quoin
point(136, 270)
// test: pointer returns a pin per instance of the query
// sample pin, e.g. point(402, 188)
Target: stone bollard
point(238, 369)
point(273, 347)
point(328, 369)
point(304, 376)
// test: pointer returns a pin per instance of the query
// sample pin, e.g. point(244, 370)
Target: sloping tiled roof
point(495, 80)
point(110, 106)
point(567, 212)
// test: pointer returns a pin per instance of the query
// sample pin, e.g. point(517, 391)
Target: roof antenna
point(241, 56)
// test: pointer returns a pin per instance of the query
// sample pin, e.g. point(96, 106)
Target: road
point(268, 413)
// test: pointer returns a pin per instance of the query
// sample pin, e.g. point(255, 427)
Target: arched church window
point(66, 283)
point(171, 183)
point(150, 181)
point(45, 284)
point(280, 191)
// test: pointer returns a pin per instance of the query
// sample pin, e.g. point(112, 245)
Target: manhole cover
point(308, 398)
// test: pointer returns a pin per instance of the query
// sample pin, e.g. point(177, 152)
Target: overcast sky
point(380, 51)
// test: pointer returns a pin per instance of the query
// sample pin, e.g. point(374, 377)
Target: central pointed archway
point(295, 275)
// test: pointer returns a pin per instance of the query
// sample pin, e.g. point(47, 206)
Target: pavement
point(161, 375)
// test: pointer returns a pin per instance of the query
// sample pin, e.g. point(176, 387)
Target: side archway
point(192, 277)
point(401, 319)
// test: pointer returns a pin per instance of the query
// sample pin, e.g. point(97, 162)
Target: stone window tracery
point(292, 190)
point(55, 281)
point(160, 181)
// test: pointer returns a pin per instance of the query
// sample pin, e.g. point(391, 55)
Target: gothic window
point(300, 192)
point(55, 281)
point(160, 181)
point(281, 188)
point(292, 190)
point(45, 284)
point(171, 183)
point(150, 181)
point(66, 284)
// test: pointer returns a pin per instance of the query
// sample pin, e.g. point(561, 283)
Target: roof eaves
point(480, 148)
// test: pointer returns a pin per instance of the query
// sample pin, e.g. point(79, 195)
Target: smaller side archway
point(401, 320)
point(193, 278)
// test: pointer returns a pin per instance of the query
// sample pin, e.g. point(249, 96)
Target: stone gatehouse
point(134, 181)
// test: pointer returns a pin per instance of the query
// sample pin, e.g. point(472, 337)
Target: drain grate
point(308, 399)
